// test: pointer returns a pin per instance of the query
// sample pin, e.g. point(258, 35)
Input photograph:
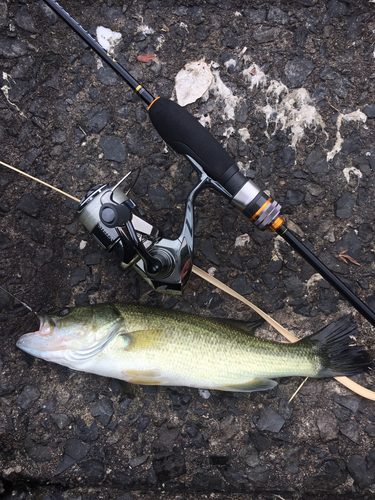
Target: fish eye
point(64, 312)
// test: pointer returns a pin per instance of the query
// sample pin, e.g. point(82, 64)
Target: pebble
point(87, 434)
point(112, 12)
point(103, 411)
point(6, 388)
point(294, 197)
point(5, 300)
point(269, 280)
point(316, 162)
point(29, 205)
point(291, 460)
point(351, 402)
point(107, 76)
point(29, 157)
point(269, 420)
point(12, 47)
point(301, 306)
point(258, 476)
point(93, 468)
point(327, 425)
point(241, 286)
point(278, 16)
point(29, 395)
point(265, 35)
point(51, 16)
point(135, 141)
point(273, 299)
point(168, 465)
point(160, 199)
point(74, 450)
point(250, 455)
point(24, 20)
point(113, 148)
point(344, 206)
point(352, 144)
point(256, 16)
point(60, 419)
point(180, 401)
point(234, 479)
point(124, 480)
point(97, 119)
point(294, 286)
point(362, 473)
point(167, 437)
point(334, 475)
point(77, 275)
point(351, 243)
point(354, 30)
point(327, 302)
point(369, 110)
point(350, 429)
point(208, 250)
point(206, 483)
point(124, 112)
point(370, 430)
point(266, 167)
point(297, 71)
point(336, 9)
point(37, 451)
point(300, 36)
point(143, 423)
point(340, 87)
point(137, 461)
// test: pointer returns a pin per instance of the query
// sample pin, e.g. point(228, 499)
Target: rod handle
point(183, 133)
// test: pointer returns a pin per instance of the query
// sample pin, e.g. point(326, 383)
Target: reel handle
point(114, 215)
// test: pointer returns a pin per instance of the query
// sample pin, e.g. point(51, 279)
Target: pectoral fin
point(141, 339)
point(256, 384)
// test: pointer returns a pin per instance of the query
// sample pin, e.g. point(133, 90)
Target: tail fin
point(336, 347)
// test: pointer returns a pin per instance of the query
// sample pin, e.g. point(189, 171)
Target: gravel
point(70, 121)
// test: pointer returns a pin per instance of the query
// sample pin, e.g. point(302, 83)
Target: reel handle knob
point(114, 215)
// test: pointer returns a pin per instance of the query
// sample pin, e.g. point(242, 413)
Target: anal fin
point(256, 384)
point(144, 377)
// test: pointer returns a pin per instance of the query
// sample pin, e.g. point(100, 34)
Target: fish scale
point(156, 346)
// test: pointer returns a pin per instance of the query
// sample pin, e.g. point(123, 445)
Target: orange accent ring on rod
point(153, 103)
point(276, 224)
point(260, 210)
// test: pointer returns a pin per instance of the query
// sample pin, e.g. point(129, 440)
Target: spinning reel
point(119, 225)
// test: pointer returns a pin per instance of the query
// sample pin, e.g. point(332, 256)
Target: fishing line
point(38, 180)
point(297, 390)
point(20, 301)
point(353, 386)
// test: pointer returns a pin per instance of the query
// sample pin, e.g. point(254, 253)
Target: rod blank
point(328, 275)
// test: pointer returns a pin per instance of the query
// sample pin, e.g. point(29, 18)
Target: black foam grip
point(183, 133)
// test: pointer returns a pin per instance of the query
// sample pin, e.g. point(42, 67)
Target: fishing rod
point(186, 136)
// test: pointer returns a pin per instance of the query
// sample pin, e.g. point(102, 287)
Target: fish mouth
point(43, 340)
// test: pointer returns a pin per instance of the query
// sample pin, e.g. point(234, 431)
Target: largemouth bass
point(155, 346)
